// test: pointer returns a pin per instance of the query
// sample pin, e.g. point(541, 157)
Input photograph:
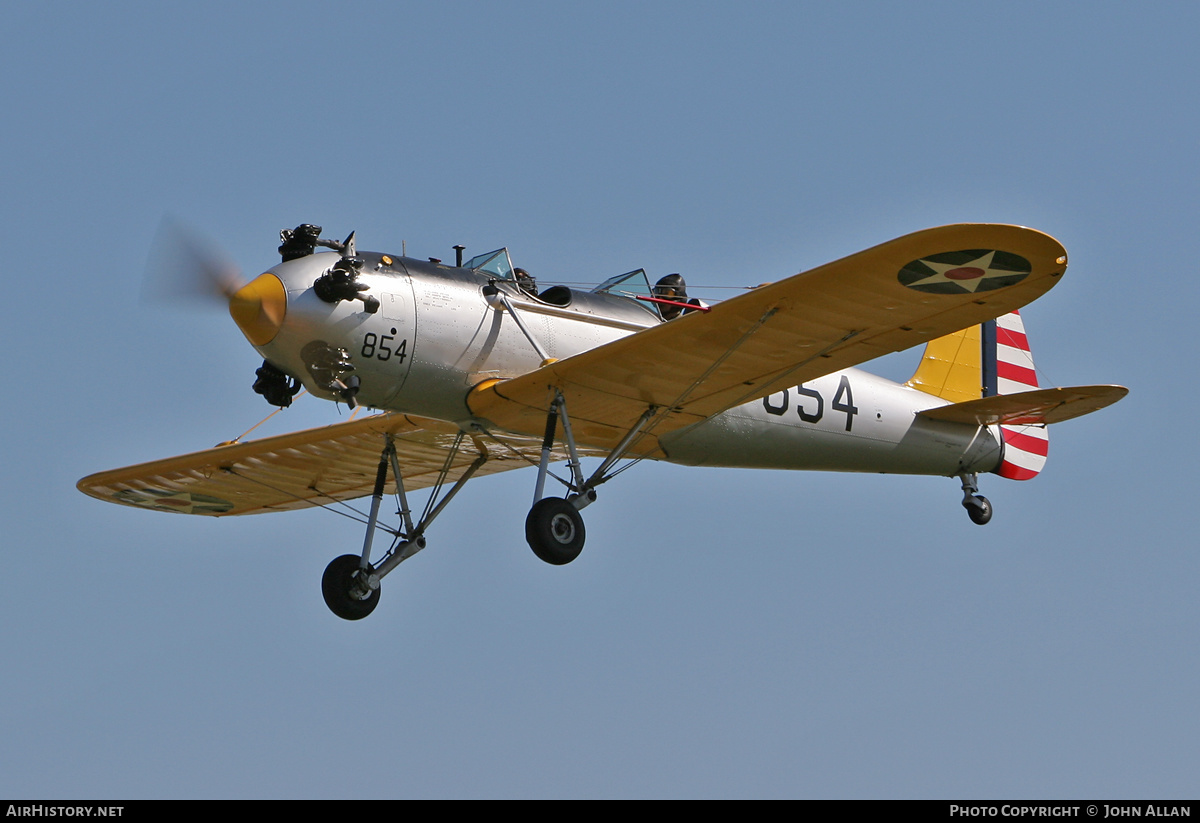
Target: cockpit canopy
point(629, 284)
point(496, 263)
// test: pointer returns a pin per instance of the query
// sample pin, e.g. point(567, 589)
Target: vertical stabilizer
point(983, 361)
point(950, 367)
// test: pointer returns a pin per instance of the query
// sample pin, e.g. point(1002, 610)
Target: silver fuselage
point(436, 336)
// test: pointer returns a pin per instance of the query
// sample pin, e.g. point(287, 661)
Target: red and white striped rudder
point(1006, 350)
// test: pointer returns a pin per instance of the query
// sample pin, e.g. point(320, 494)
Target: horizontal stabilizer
point(1036, 407)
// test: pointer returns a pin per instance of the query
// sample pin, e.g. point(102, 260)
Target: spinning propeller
point(185, 266)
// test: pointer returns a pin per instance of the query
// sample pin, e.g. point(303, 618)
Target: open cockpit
point(665, 300)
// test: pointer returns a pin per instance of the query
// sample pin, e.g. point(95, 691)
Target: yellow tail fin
point(951, 367)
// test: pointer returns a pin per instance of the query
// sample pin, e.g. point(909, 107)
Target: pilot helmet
point(525, 281)
point(671, 287)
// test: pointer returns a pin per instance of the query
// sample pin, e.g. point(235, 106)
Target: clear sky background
point(725, 633)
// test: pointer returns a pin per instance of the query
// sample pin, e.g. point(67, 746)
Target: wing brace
point(583, 492)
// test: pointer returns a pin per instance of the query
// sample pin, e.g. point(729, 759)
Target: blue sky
point(725, 633)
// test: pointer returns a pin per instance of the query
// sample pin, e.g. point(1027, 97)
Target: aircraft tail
point(989, 360)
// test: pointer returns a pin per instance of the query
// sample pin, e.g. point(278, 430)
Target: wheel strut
point(554, 528)
point(350, 584)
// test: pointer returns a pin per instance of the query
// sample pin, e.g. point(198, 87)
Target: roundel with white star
point(966, 271)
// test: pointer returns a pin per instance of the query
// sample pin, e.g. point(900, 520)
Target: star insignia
point(966, 271)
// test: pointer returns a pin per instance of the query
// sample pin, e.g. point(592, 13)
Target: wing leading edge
point(888, 298)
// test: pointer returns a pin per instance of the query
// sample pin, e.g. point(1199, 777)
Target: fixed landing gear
point(346, 593)
point(350, 583)
point(554, 527)
point(554, 530)
point(979, 509)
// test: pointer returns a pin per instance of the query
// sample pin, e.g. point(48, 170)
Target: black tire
point(981, 513)
point(554, 530)
point(335, 586)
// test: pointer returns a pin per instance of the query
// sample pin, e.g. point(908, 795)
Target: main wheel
point(554, 530)
point(336, 583)
point(981, 511)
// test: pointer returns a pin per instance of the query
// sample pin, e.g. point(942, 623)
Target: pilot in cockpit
point(671, 287)
point(526, 282)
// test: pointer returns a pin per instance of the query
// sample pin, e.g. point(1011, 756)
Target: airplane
point(473, 370)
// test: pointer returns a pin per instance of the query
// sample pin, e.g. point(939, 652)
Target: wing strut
point(351, 583)
point(583, 492)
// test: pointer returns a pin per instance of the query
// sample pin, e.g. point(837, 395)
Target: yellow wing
point(305, 468)
point(905, 292)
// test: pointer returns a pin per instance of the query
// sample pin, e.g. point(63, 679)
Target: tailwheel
point(341, 587)
point(979, 509)
point(554, 530)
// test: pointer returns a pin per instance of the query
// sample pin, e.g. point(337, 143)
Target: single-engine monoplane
point(475, 370)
